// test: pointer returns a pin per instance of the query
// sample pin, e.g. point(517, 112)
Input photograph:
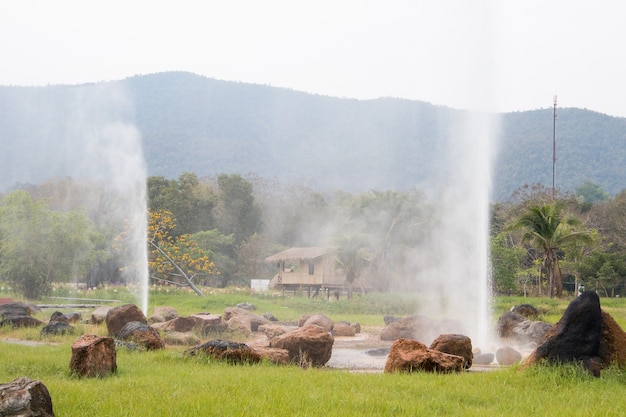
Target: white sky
point(501, 55)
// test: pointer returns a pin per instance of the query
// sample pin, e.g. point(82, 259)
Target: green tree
point(590, 192)
point(351, 254)
point(238, 214)
point(39, 246)
point(546, 229)
point(505, 263)
point(190, 202)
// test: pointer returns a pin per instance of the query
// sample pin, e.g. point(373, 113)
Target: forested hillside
point(191, 123)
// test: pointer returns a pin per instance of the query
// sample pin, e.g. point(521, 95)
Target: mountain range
point(191, 123)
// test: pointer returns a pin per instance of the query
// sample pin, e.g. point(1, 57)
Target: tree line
point(218, 231)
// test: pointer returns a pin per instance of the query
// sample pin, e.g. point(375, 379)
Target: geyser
point(86, 134)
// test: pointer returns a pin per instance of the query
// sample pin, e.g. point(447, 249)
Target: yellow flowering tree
point(175, 259)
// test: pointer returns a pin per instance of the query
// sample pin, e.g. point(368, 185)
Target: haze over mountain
point(191, 123)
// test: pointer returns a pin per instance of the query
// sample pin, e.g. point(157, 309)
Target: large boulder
point(141, 334)
point(343, 329)
point(225, 350)
point(412, 356)
point(24, 397)
point(308, 345)
point(163, 313)
point(576, 337)
point(455, 344)
point(55, 327)
point(178, 324)
point(93, 356)
point(117, 317)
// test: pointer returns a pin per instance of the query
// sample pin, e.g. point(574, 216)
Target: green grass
point(168, 383)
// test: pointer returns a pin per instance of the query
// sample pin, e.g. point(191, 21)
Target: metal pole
point(554, 151)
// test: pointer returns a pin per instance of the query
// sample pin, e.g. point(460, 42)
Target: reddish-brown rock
point(317, 319)
point(412, 356)
point(93, 356)
point(612, 343)
point(306, 345)
point(455, 344)
point(508, 356)
point(141, 334)
point(117, 317)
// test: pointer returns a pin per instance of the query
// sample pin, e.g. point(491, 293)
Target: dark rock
point(390, 319)
point(57, 328)
point(310, 344)
point(233, 352)
point(455, 344)
point(378, 352)
point(142, 334)
point(270, 316)
point(247, 306)
point(117, 318)
point(413, 356)
point(93, 356)
point(526, 310)
point(576, 337)
point(21, 321)
point(508, 322)
point(24, 397)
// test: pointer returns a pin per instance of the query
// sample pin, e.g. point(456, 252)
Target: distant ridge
point(191, 123)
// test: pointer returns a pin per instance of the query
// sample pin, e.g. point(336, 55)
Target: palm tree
point(545, 229)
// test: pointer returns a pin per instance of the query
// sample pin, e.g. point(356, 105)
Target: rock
point(21, 321)
point(576, 337)
point(237, 325)
point(226, 350)
point(310, 344)
point(180, 338)
point(250, 320)
point(168, 313)
point(483, 358)
point(507, 322)
point(378, 351)
point(142, 334)
point(343, 329)
point(390, 319)
point(413, 356)
point(528, 331)
point(356, 327)
point(56, 328)
point(517, 327)
point(612, 343)
point(317, 319)
point(418, 328)
point(455, 344)
point(269, 316)
point(208, 323)
point(507, 356)
point(179, 324)
point(24, 397)
point(271, 330)
point(18, 314)
point(99, 315)
point(275, 355)
point(525, 310)
point(246, 306)
point(93, 356)
point(117, 317)
point(18, 309)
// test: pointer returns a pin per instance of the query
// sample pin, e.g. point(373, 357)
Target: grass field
point(168, 383)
